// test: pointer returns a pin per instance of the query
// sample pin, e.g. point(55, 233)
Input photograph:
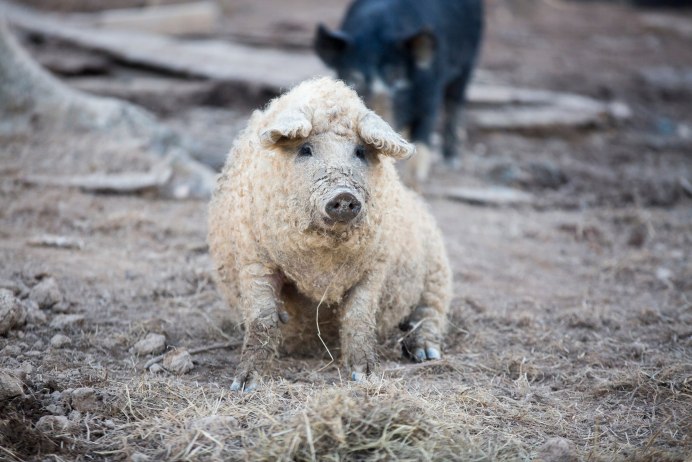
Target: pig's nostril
point(343, 208)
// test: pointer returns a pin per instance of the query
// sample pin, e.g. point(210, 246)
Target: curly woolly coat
point(283, 264)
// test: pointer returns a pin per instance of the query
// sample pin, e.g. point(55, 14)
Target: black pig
point(406, 58)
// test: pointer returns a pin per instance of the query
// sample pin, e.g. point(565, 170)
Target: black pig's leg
point(422, 128)
point(423, 125)
point(455, 96)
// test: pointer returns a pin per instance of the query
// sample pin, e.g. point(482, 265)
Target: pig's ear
point(330, 45)
point(422, 47)
point(288, 125)
point(377, 133)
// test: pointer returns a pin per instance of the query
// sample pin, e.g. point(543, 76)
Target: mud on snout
point(338, 204)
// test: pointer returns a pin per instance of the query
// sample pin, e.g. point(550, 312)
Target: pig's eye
point(305, 150)
point(360, 152)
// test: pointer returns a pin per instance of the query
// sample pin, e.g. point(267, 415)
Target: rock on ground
point(12, 312)
point(557, 450)
point(86, 400)
point(11, 351)
point(151, 344)
point(55, 424)
point(59, 341)
point(178, 361)
point(34, 315)
point(10, 386)
point(62, 321)
point(46, 293)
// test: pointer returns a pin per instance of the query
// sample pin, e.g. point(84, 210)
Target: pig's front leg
point(358, 333)
point(260, 289)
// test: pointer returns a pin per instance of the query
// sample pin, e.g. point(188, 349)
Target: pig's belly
point(301, 337)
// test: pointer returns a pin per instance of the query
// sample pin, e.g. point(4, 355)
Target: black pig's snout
point(343, 208)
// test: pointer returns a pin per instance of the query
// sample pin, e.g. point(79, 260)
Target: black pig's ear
point(422, 47)
point(377, 133)
point(288, 125)
point(330, 45)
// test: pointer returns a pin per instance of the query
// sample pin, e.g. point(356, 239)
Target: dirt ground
point(571, 332)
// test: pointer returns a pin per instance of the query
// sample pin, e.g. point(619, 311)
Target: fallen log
point(119, 183)
point(32, 100)
point(493, 196)
point(198, 18)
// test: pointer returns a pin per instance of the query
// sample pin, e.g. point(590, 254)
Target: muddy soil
point(572, 316)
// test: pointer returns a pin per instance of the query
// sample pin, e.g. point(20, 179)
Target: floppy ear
point(330, 45)
point(377, 133)
point(287, 125)
point(422, 48)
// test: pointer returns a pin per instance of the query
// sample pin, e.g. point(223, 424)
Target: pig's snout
point(343, 207)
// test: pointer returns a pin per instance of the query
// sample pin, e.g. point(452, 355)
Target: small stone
point(557, 450)
point(75, 416)
point(46, 293)
point(10, 386)
point(151, 344)
point(26, 367)
point(637, 349)
point(55, 409)
point(38, 345)
point(59, 341)
point(108, 423)
point(12, 312)
point(54, 424)
point(178, 361)
point(156, 368)
point(11, 286)
point(34, 315)
point(62, 307)
point(11, 351)
point(62, 321)
point(86, 400)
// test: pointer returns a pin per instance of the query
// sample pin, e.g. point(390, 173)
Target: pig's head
point(332, 155)
point(379, 66)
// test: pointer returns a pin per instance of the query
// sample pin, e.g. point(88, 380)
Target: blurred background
point(568, 226)
point(202, 66)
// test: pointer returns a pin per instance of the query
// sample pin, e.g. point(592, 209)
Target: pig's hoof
point(245, 381)
point(363, 365)
point(420, 354)
point(357, 376)
point(423, 351)
point(432, 353)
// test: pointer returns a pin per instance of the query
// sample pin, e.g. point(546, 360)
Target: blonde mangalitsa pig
point(310, 224)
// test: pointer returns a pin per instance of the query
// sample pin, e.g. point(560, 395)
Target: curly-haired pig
point(309, 224)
